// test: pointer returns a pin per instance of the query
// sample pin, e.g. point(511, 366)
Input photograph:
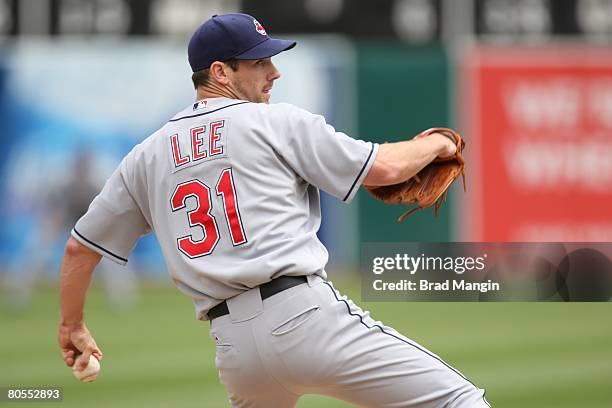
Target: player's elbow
point(75, 249)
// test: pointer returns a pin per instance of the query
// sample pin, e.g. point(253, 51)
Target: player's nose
point(274, 73)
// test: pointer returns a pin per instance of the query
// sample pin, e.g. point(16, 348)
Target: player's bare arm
point(398, 162)
point(76, 273)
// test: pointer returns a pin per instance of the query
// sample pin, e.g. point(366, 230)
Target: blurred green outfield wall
point(401, 91)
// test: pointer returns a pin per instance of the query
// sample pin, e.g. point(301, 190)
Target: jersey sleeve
point(113, 223)
point(330, 160)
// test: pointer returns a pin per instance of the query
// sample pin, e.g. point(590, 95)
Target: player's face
point(254, 79)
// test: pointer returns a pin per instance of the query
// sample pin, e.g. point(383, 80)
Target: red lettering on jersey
point(196, 143)
point(226, 189)
point(200, 216)
point(215, 136)
point(176, 152)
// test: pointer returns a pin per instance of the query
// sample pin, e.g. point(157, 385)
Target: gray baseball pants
point(309, 339)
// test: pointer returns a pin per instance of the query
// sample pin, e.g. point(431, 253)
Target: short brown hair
point(201, 77)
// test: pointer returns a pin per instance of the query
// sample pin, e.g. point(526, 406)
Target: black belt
point(266, 290)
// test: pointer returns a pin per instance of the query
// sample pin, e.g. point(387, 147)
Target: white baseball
point(90, 372)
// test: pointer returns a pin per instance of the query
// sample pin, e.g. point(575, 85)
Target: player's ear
point(219, 73)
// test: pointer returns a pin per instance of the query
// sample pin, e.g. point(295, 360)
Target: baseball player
point(230, 186)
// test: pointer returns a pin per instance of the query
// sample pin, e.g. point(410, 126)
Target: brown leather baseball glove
point(429, 186)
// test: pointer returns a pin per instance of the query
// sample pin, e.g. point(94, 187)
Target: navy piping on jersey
point(360, 173)
point(98, 246)
point(400, 339)
point(206, 113)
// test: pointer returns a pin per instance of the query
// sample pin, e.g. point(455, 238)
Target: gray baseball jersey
point(231, 190)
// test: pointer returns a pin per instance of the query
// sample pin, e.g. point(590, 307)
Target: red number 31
point(202, 217)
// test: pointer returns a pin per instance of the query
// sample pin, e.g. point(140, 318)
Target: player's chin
point(265, 96)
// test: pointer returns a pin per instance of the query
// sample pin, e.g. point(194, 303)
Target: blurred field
point(158, 355)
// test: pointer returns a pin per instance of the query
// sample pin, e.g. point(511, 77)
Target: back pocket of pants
point(226, 354)
point(295, 321)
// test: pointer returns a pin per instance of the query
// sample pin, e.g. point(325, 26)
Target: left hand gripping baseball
point(79, 350)
point(91, 370)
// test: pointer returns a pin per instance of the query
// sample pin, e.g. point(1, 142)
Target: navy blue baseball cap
point(228, 36)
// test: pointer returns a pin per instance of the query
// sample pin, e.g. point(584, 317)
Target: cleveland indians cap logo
point(259, 27)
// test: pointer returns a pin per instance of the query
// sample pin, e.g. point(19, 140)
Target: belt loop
point(245, 306)
point(314, 280)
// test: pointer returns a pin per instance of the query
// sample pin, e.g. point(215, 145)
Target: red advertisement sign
point(538, 123)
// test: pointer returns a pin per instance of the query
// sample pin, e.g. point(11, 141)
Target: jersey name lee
point(203, 142)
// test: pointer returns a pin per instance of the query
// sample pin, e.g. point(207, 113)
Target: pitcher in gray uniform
point(230, 186)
